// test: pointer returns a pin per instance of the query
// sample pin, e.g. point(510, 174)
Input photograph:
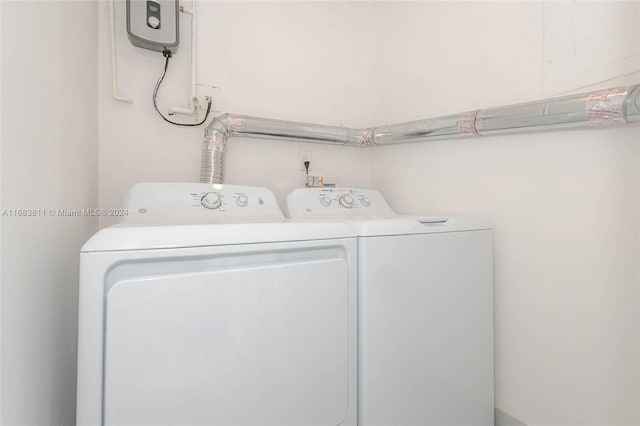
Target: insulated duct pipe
point(601, 108)
point(227, 125)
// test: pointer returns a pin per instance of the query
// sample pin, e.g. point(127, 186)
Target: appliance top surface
point(179, 215)
point(202, 202)
point(367, 213)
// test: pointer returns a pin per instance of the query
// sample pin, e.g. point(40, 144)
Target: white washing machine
point(205, 307)
point(425, 310)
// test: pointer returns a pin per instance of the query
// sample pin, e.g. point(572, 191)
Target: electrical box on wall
point(153, 24)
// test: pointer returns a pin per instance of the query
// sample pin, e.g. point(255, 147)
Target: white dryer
point(425, 310)
point(205, 307)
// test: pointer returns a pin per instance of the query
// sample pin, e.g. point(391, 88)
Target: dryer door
point(255, 337)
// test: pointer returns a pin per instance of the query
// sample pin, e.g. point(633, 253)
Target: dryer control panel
point(200, 199)
point(341, 202)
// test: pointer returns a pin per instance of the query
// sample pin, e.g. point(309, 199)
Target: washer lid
point(367, 213)
point(407, 225)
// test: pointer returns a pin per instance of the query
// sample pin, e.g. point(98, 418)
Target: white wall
point(588, 42)
point(564, 205)
point(49, 160)
point(305, 61)
point(438, 58)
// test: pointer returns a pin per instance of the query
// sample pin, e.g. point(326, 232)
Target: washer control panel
point(200, 199)
point(345, 202)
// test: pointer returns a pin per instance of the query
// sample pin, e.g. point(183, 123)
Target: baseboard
point(505, 419)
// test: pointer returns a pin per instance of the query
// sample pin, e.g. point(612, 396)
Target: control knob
point(211, 200)
point(365, 201)
point(346, 201)
point(153, 22)
point(242, 200)
point(326, 201)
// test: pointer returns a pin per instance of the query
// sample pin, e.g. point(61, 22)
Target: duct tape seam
point(606, 107)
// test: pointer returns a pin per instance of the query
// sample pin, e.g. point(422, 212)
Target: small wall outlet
point(304, 155)
point(214, 92)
